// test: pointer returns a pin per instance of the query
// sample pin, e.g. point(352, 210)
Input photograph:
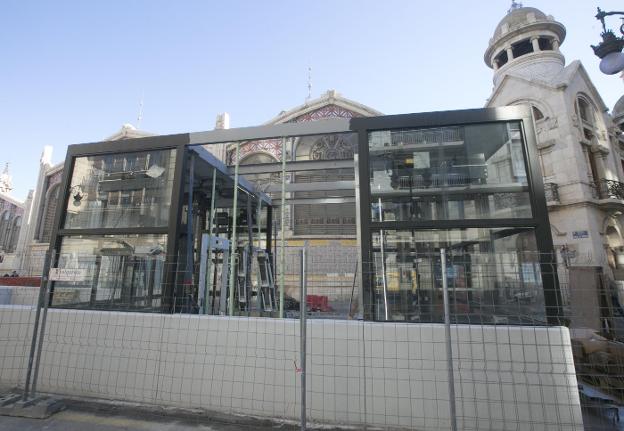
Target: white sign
point(421, 160)
point(67, 274)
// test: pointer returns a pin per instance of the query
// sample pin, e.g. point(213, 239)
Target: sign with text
point(67, 274)
point(579, 234)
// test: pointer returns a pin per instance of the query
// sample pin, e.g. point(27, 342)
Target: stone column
point(555, 44)
point(535, 43)
point(599, 158)
point(23, 233)
point(510, 55)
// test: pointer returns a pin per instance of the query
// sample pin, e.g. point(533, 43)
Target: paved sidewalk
point(81, 416)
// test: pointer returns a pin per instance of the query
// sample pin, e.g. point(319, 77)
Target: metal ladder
point(241, 278)
point(267, 297)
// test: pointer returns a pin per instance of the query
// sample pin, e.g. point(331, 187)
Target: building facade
point(580, 145)
point(574, 130)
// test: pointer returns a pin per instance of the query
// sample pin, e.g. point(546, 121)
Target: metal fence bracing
point(465, 345)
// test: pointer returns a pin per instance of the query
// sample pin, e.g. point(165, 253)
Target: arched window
point(545, 43)
point(331, 147)
point(49, 211)
point(588, 125)
point(586, 111)
point(260, 180)
point(537, 114)
point(324, 219)
point(522, 48)
point(5, 225)
point(14, 234)
point(501, 59)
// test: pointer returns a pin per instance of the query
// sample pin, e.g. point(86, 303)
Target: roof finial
point(514, 5)
point(309, 84)
point(140, 116)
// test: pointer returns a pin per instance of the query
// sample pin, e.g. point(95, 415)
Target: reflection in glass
point(120, 272)
point(121, 190)
point(493, 275)
point(448, 173)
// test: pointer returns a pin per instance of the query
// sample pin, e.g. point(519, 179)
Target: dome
point(519, 18)
point(618, 109)
point(523, 22)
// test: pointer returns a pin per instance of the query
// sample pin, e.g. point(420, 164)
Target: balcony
point(610, 193)
point(609, 189)
point(551, 192)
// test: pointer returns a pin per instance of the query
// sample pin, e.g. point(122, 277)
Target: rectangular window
point(121, 190)
point(493, 275)
point(116, 272)
point(449, 173)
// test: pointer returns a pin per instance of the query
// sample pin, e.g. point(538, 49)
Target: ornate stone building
point(581, 149)
point(580, 146)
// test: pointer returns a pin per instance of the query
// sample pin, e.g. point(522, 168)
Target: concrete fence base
point(379, 374)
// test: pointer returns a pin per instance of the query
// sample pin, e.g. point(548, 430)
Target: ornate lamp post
point(610, 49)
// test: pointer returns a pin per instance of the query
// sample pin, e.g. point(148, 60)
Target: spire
point(309, 84)
point(514, 5)
point(6, 183)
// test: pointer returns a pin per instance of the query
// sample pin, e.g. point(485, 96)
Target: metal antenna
point(140, 116)
point(309, 84)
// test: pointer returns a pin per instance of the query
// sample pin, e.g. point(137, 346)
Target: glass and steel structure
point(143, 217)
point(467, 183)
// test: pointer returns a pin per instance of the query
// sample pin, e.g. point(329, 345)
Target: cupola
point(526, 40)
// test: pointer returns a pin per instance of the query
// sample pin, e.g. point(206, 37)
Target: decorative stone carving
point(328, 111)
point(330, 147)
point(270, 146)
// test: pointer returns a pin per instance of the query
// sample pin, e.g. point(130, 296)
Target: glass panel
point(120, 272)
point(449, 173)
point(121, 190)
point(493, 275)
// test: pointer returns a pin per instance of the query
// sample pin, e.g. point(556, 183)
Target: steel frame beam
point(312, 187)
point(294, 166)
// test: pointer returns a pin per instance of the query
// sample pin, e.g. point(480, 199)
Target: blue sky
point(74, 72)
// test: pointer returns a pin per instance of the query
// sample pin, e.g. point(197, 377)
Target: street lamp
point(610, 49)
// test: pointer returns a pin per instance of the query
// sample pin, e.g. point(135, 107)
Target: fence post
point(234, 239)
point(282, 232)
point(449, 346)
point(46, 301)
point(33, 344)
point(302, 336)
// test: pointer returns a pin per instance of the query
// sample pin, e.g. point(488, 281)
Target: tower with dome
point(580, 145)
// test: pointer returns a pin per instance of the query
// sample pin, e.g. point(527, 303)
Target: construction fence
point(453, 343)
